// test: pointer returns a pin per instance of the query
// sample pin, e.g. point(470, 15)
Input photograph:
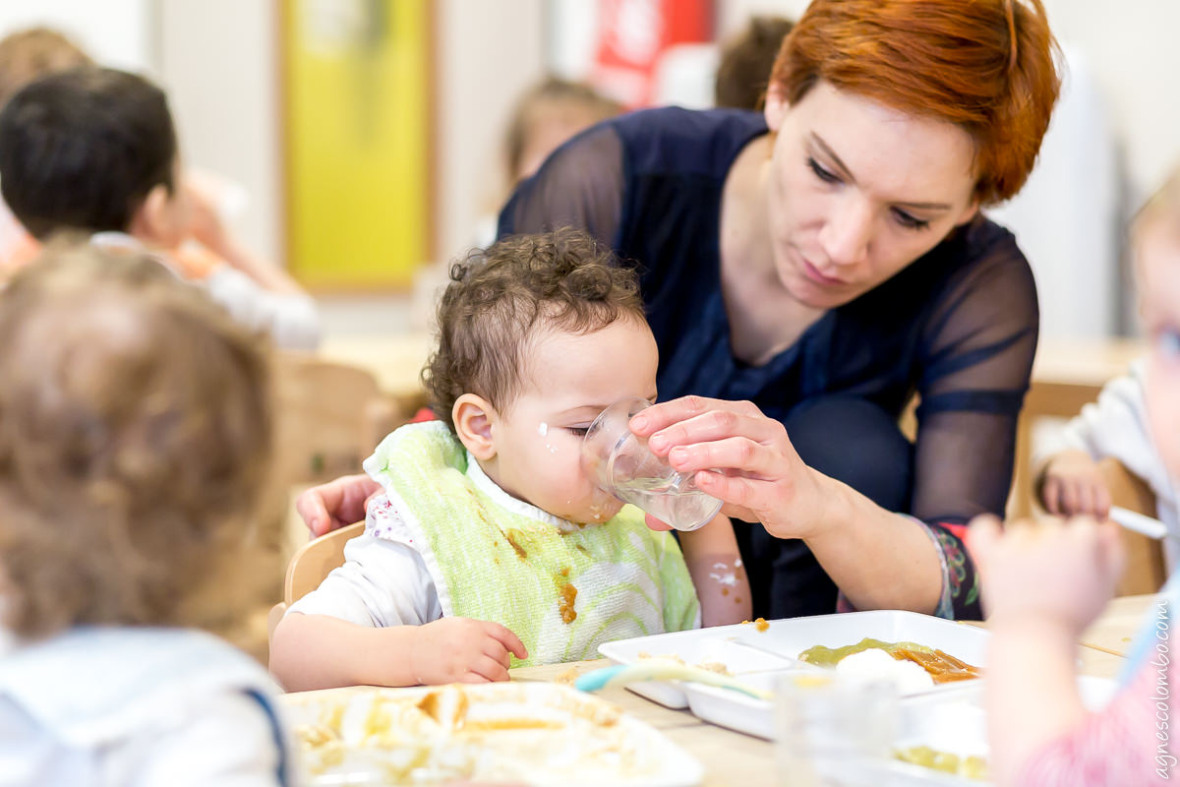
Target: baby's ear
point(473, 417)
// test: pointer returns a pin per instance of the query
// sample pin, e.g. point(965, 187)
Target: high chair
point(1146, 570)
point(308, 567)
point(329, 417)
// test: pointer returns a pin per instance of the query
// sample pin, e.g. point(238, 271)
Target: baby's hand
point(1074, 485)
point(462, 650)
point(1051, 573)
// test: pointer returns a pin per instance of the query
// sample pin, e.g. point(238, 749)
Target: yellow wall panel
point(356, 124)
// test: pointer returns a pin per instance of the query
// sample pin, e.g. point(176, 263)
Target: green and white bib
point(563, 588)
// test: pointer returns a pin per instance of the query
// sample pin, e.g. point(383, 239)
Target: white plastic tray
point(759, 657)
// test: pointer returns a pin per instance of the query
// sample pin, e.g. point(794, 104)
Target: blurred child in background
point(135, 442)
point(1069, 481)
point(24, 56)
point(547, 115)
point(487, 539)
point(93, 151)
point(543, 117)
point(743, 72)
point(1046, 583)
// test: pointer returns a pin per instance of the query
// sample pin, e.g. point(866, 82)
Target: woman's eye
point(825, 175)
point(909, 221)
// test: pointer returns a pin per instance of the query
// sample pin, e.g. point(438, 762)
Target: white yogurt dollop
point(876, 664)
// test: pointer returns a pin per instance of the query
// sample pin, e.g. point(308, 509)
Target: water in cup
point(623, 466)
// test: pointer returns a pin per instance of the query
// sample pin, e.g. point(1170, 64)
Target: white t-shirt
point(141, 707)
point(383, 582)
point(291, 319)
point(1116, 426)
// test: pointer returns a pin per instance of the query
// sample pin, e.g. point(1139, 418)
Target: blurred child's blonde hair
point(135, 438)
point(579, 105)
point(1163, 205)
point(29, 54)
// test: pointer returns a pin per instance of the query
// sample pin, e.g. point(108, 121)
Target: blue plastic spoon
point(662, 669)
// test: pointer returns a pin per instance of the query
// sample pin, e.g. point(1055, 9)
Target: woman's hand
point(740, 456)
point(336, 504)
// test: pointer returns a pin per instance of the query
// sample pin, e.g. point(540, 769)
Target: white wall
point(218, 59)
point(1132, 49)
point(119, 33)
point(488, 53)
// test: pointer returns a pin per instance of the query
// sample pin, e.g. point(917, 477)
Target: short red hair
point(988, 66)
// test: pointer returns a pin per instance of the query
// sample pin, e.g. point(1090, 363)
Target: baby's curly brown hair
point(135, 439)
point(499, 298)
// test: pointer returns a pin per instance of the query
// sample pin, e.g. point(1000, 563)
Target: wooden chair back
point(315, 560)
point(1146, 571)
point(329, 417)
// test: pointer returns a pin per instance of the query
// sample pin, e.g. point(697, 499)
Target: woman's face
point(857, 191)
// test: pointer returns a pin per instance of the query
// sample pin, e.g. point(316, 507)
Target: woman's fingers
point(336, 503)
point(311, 509)
point(695, 419)
point(662, 415)
point(741, 454)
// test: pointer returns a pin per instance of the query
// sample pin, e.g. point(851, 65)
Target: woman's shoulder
point(674, 139)
point(979, 256)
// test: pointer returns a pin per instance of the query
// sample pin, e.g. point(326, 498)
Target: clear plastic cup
point(623, 466)
point(832, 730)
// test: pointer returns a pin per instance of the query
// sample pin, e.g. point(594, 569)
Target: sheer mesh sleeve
point(977, 359)
point(580, 185)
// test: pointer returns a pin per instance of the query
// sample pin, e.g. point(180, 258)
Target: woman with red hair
point(809, 269)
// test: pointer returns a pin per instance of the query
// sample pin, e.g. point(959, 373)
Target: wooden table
point(731, 758)
point(1115, 630)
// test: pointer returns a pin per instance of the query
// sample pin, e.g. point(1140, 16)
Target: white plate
point(759, 657)
point(523, 733)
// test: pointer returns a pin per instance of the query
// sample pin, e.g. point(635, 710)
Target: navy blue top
point(958, 326)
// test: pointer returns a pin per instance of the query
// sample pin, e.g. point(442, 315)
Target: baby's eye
point(580, 431)
point(1167, 343)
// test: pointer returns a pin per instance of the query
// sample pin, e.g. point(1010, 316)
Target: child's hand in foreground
point(1051, 573)
point(462, 650)
point(1074, 485)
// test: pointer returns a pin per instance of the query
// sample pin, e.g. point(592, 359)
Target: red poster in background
point(633, 34)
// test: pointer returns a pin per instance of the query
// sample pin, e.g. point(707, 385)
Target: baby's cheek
point(1163, 412)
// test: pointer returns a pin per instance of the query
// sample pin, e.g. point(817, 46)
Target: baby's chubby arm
point(318, 651)
point(715, 566)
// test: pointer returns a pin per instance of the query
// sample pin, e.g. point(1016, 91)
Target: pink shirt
point(1133, 741)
